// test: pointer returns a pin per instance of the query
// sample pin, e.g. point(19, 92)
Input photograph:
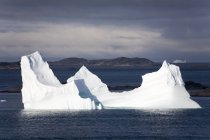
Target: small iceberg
point(42, 90)
point(179, 61)
point(3, 101)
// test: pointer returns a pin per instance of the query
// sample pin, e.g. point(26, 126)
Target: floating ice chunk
point(42, 90)
point(179, 61)
point(3, 101)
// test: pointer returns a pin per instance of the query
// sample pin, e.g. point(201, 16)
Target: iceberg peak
point(88, 83)
point(39, 68)
point(83, 68)
point(165, 64)
point(36, 53)
point(84, 71)
point(171, 73)
point(35, 59)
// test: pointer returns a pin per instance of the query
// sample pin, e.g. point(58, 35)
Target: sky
point(154, 29)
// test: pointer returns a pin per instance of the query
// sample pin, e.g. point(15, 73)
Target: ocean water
point(16, 123)
point(106, 124)
point(112, 77)
point(180, 124)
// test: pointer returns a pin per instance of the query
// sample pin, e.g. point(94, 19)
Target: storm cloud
point(155, 29)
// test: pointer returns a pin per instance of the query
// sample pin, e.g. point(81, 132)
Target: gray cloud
point(156, 29)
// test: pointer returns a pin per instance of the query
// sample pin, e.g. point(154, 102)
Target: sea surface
point(180, 124)
point(112, 77)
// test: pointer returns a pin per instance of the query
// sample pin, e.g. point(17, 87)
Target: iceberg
point(179, 61)
point(85, 90)
point(42, 90)
point(162, 89)
point(2, 101)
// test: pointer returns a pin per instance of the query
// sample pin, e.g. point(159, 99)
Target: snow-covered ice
point(42, 90)
point(161, 89)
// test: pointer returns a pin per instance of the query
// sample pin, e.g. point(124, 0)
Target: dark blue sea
point(178, 124)
point(112, 77)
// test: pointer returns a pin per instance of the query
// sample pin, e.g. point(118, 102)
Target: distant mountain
point(117, 62)
point(74, 61)
point(78, 62)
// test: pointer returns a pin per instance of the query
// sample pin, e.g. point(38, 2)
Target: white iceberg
point(3, 101)
point(161, 89)
point(42, 90)
point(179, 61)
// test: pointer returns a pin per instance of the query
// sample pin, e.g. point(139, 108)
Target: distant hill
point(78, 62)
point(117, 62)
